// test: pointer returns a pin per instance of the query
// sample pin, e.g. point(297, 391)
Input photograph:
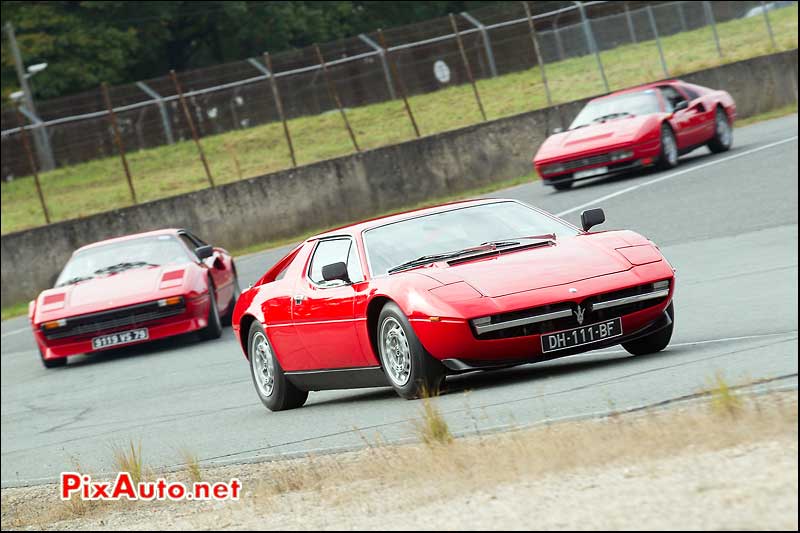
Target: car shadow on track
point(151, 348)
point(527, 373)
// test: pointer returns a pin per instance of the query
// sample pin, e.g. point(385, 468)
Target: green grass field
point(100, 185)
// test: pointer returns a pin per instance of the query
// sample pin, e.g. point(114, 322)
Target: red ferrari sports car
point(406, 299)
point(640, 127)
point(134, 289)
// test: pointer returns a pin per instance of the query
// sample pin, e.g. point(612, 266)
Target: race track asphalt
point(727, 222)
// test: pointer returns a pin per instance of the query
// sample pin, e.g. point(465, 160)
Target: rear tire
point(669, 149)
point(273, 389)
point(226, 320)
point(214, 328)
point(723, 133)
point(52, 363)
point(410, 369)
point(654, 342)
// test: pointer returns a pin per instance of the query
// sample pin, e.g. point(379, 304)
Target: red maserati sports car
point(406, 299)
point(651, 125)
point(134, 289)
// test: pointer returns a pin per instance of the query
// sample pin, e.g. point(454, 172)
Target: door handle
point(298, 298)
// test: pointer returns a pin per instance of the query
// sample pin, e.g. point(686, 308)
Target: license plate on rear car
point(123, 337)
point(571, 338)
point(591, 172)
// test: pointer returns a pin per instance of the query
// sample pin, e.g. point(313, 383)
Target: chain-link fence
point(564, 51)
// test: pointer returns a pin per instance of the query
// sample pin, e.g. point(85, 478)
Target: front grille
point(133, 315)
point(574, 164)
point(570, 321)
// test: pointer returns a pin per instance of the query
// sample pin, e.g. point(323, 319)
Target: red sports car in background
point(644, 126)
point(403, 300)
point(134, 289)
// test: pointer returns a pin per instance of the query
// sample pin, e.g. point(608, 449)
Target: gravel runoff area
point(720, 461)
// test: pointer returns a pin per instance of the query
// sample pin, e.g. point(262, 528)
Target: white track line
point(674, 175)
point(14, 332)
point(787, 334)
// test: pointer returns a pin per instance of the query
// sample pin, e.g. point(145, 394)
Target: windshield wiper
point(612, 115)
point(119, 267)
point(489, 246)
point(76, 279)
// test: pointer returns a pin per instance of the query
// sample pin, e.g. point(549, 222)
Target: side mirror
point(335, 271)
point(683, 104)
point(591, 218)
point(204, 252)
point(558, 130)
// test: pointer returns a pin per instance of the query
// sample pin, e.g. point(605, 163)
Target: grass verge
point(100, 185)
point(474, 480)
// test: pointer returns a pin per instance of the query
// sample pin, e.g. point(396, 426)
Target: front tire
point(214, 328)
point(226, 320)
point(669, 149)
point(654, 342)
point(411, 370)
point(723, 133)
point(275, 391)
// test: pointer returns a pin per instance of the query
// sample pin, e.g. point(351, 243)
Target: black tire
point(655, 342)
point(214, 328)
point(425, 374)
point(52, 363)
point(669, 149)
point(563, 185)
point(283, 395)
point(226, 320)
point(723, 133)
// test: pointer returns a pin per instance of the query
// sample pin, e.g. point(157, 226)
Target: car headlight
point(619, 155)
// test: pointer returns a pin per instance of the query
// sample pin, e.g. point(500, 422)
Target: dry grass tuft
point(192, 465)
point(432, 428)
point(129, 459)
point(723, 399)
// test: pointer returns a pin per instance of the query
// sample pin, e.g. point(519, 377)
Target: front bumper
point(644, 154)
point(193, 318)
point(454, 339)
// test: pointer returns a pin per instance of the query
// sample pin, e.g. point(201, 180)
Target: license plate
point(571, 338)
point(123, 337)
point(590, 172)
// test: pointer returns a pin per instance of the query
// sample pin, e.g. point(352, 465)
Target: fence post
point(191, 126)
point(682, 16)
point(559, 44)
point(658, 40)
point(710, 18)
point(539, 59)
point(112, 118)
point(335, 96)
point(162, 110)
point(769, 26)
point(587, 31)
point(26, 144)
point(466, 65)
point(628, 17)
point(400, 83)
point(381, 54)
point(279, 105)
point(487, 43)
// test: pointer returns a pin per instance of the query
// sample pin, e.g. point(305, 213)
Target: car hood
point(592, 137)
point(567, 261)
point(117, 290)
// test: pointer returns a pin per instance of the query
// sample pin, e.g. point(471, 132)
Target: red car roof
point(396, 217)
point(638, 88)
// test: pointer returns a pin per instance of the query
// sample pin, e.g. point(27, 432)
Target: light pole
point(587, 30)
point(40, 138)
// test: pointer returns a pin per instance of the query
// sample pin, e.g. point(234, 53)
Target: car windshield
point(637, 103)
point(457, 229)
point(114, 257)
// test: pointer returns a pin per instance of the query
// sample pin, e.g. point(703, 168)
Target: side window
point(335, 251)
point(198, 240)
point(671, 97)
point(691, 93)
point(190, 244)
